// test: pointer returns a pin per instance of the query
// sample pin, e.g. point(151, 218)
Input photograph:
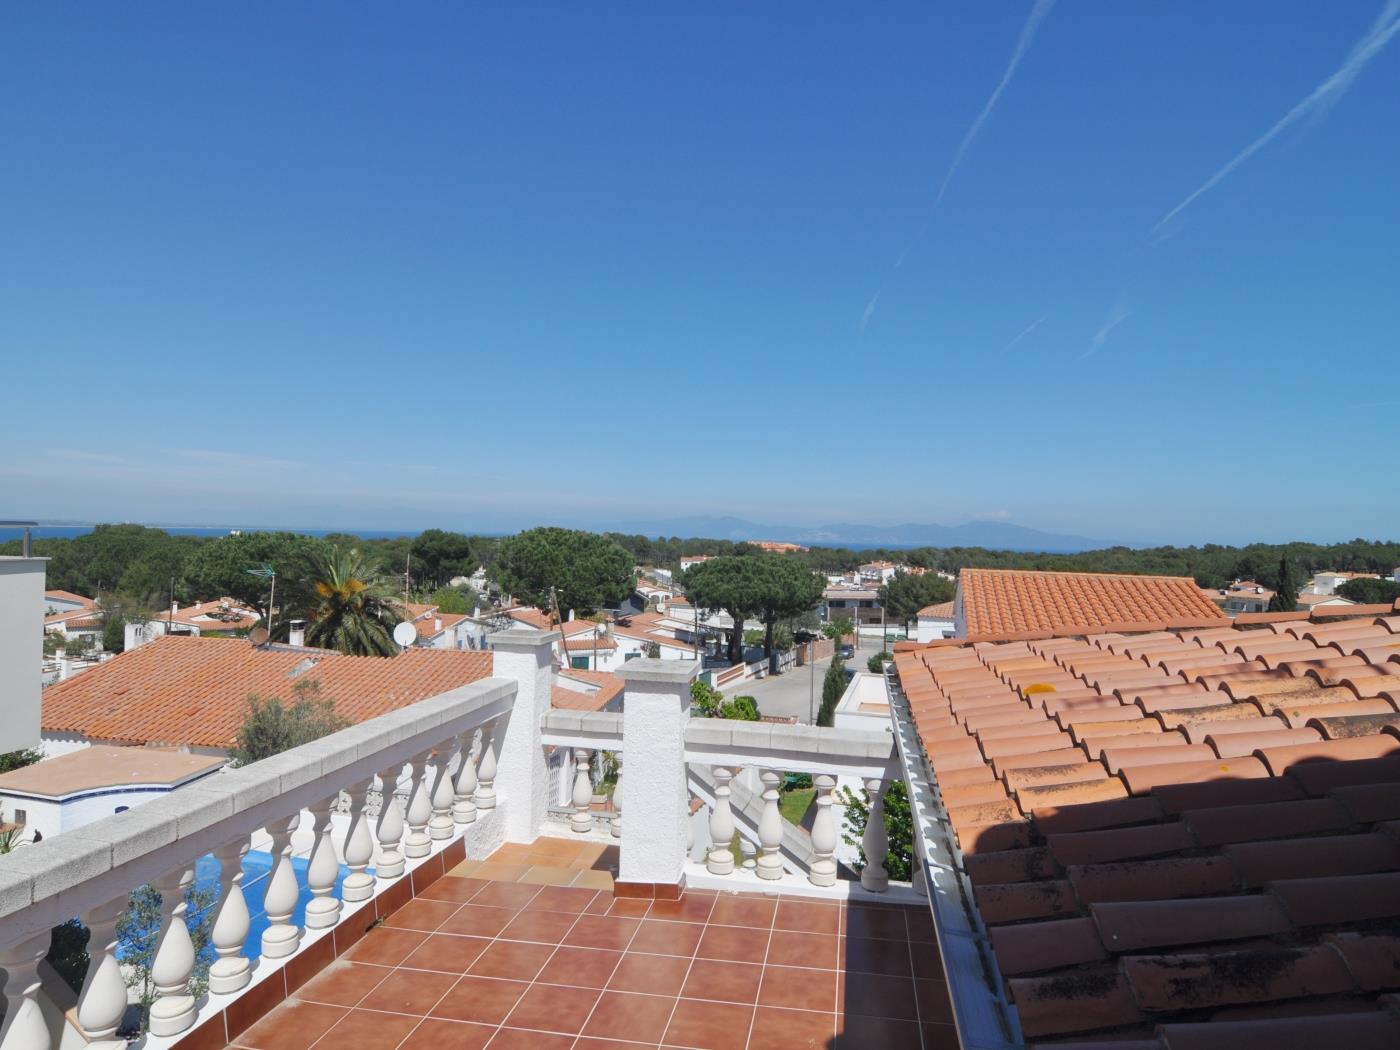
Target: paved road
point(788, 694)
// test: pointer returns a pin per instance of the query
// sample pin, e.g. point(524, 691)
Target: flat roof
point(105, 766)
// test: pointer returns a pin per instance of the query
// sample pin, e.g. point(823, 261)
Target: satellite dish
point(405, 634)
point(258, 636)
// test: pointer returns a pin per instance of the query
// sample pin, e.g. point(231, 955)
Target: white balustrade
point(102, 1001)
point(769, 864)
point(719, 860)
point(875, 842)
point(485, 797)
point(359, 847)
point(390, 830)
point(582, 819)
point(281, 937)
point(231, 971)
point(323, 910)
point(463, 808)
point(417, 843)
point(823, 869)
point(440, 827)
point(174, 1008)
point(24, 1027)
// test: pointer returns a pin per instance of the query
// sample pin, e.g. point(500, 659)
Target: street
point(796, 692)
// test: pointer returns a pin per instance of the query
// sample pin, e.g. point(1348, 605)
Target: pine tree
point(1285, 597)
point(833, 686)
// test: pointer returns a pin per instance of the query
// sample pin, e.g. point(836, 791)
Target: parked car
point(847, 652)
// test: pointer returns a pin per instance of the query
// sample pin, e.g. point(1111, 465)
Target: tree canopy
point(768, 587)
point(271, 726)
point(1285, 597)
point(904, 594)
point(587, 571)
point(1370, 592)
point(345, 605)
point(220, 569)
point(438, 556)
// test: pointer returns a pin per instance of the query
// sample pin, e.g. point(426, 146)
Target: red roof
point(1008, 601)
point(188, 690)
point(1180, 838)
point(608, 686)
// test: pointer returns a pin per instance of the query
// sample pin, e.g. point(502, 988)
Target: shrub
point(876, 664)
point(833, 685)
point(271, 727)
point(899, 827)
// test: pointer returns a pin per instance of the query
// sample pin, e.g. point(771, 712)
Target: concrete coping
point(603, 723)
point(781, 739)
point(655, 670)
point(522, 639)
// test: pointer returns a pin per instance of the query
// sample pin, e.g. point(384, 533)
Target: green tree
point(12, 760)
point(767, 586)
point(899, 828)
point(1370, 592)
point(1285, 597)
point(219, 569)
point(876, 664)
point(138, 936)
point(345, 606)
point(587, 571)
point(438, 556)
point(271, 726)
point(904, 594)
point(833, 686)
point(456, 600)
point(705, 699)
point(838, 629)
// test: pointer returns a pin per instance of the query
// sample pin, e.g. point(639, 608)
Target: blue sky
point(488, 266)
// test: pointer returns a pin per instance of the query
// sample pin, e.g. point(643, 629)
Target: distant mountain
point(994, 535)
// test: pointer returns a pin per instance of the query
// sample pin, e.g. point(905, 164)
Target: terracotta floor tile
point(693, 907)
point(920, 924)
point(435, 1034)
point(934, 1004)
point(466, 867)
point(548, 875)
point(563, 850)
point(480, 999)
point(941, 1037)
point(367, 1030)
point(569, 899)
point(409, 992)
point(446, 953)
point(584, 967)
point(728, 982)
point(476, 920)
point(545, 927)
point(733, 942)
point(659, 937)
point(862, 1033)
point(589, 1043)
point(743, 911)
point(798, 989)
point(514, 960)
point(624, 1015)
point(500, 871)
point(343, 983)
point(792, 1030)
point(511, 853)
point(385, 947)
point(885, 923)
point(600, 931)
point(709, 1026)
point(506, 895)
point(868, 955)
point(551, 1008)
point(927, 960)
point(521, 1039)
point(452, 888)
point(627, 907)
point(652, 974)
point(788, 948)
point(874, 995)
point(422, 914)
point(807, 917)
point(292, 1026)
point(597, 880)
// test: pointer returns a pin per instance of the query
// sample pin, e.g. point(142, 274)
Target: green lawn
point(793, 805)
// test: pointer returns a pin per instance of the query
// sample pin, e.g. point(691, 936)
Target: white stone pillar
point(464, 787)
point(581, 821)
point(174, 1008)
point(655, 713)
point(231, 971)
point(485, 797)
point(102, 1002)
point(420, 810)
point(527, 657)
point(440, 826)
point(720, 860)
point(875, 842)
point(769, 864)
point(823, 870)
point(359, 847)
point(24, 1027)
point(617, 805)
point(390, 828)
point(281, 937)
point(323, 909)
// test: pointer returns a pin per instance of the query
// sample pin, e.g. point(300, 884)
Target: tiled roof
point(1324, 599)
point(528, 614)
point(204, 615)
point(1180, 838)
point(940, 611)
point(588, 644)
point(103, 766)
point(433, 626)
point(1008, 601)
point(185, 690)
point(69, 596)
point(608, 686)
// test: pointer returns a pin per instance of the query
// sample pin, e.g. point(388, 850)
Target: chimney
point(296, 632)
point(437, 624)
point(65, 668)
point(174, 606)
point(571, 616)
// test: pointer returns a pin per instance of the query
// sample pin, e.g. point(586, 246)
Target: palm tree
point(347, 607)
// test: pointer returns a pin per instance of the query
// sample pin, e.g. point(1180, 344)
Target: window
point(579, 663)
point(121, 809)
point(21, 817)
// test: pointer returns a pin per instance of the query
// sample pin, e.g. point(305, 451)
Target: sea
point(69, 531)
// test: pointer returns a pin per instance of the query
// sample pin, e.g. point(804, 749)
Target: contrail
point(1115, 317)
point(1324, 95)
point(866, 315)
point(1022, 334)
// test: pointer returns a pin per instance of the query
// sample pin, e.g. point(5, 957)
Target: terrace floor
point(530, 950)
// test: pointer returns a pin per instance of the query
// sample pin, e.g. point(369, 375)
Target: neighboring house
point(440, 630)
point(654, 593)
point(1247, 596)
point(688, 560)
point(581, 690)
point(223, 616)
point(936, 621)
point(1012, 601)
point(63, 793)
point(73, 617)
point(1322, 601)
point(858, 604)
point(877, 572)
point(776, 547)
point(1327, 582)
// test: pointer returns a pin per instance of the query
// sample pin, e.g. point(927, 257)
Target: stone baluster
point(749, 852)
point(420, 808)
point(769, 864)
point(231, 971)
point(24, 1027)
point(323, 909)
point(174, 1008)
point(617, 805)
point(443, 796)
point(102, 1002)
point(582, 819)
point(485, 796)
point(875, 842)
point(281, 937)
point(359, 847)
point(720, 861)
point(823, 869)
point(463, 808)
point(390, 828)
